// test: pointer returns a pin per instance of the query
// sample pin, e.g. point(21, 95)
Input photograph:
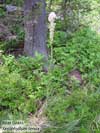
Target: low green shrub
point(2, 12)
point(20, 84)
point(80, 105)
point(8, 45)
point(59, 39)
point(82, 52)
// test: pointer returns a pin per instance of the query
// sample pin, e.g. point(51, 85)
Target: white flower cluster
point(51, 18)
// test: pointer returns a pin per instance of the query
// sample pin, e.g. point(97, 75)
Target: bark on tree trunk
point(35, 27)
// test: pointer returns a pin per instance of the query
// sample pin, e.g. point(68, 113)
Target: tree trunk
point(35, 27)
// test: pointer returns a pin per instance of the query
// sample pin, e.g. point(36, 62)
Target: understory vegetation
point(23, 83)
point(70, 90)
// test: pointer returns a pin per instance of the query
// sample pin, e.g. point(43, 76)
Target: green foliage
point(82, 52)
point(15, 2)
point(81, 104)
point(13, 43)
point(68, 101)
point(8, 45)
point(18, 30)
point(71, 107)
point(60, 38)
point(19, 88)
point(2, 12)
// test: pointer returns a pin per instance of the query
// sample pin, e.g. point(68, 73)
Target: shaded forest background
point(65, 97)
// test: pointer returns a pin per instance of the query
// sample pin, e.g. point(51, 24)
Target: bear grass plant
point(71, 106)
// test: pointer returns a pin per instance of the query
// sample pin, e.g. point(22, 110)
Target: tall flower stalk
point(51, 18)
